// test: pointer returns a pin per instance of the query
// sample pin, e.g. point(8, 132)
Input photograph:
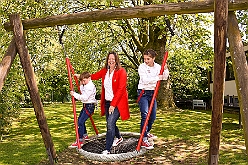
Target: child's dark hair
point(150, 52)
point(84, 75)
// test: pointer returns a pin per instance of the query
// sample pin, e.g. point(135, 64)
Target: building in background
point(230, 91)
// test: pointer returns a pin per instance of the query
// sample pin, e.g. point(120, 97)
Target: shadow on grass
point(183, 137)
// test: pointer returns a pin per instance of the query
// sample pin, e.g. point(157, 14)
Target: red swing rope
point(70, 71)
point(78, 87)
point(75, 77)
point(68, 64)
point(152, 101)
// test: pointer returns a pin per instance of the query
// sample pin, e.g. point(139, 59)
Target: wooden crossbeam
point(127, 13)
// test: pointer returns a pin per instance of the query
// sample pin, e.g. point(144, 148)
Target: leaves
point(190, 50)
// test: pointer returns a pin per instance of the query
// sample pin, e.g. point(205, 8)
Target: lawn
point(183, 137)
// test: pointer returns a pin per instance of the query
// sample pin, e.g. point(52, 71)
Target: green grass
point(183, 134)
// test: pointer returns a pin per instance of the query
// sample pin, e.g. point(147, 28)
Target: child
point(87, 96)
point(149, 75)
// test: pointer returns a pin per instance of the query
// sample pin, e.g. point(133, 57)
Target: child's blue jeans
point(83, 116)
point(144, 105)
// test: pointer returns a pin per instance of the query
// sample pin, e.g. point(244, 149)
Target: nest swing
point(126, 150)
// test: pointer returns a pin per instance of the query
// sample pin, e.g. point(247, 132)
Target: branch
point(135, 40)
point(131, 46)
point(123, 49)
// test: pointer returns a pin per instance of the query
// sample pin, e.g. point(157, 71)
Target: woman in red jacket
point(114, 97)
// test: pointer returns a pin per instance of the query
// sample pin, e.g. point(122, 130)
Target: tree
point(191, 36)
point(192, 56)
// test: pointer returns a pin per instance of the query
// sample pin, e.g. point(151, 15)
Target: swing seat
point(92, 150)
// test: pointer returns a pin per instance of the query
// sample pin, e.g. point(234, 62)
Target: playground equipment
point(219, 7)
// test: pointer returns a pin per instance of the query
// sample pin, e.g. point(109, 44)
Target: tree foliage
point(192, 56)
point(11, 98)
point(243, 23)
point(86, 45)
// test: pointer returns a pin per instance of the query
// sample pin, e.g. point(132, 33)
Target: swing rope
point(73, 102)
point(78, 87)
point(156, 89)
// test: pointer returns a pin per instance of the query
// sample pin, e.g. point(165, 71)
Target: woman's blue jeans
point(144, 105)
point(112, 129)
point(83, 116)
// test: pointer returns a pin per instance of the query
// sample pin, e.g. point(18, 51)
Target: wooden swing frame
point(223, 14)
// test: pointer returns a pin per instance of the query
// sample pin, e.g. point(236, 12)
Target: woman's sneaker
point(117, 141)
point(105, 152)
point(74, 145)
point(146, 144)
point(151, 136)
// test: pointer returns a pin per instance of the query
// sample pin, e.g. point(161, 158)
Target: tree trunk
point(165, 95)
point(32, 86)
point(240, 70)
point(220, 32)
point(7, 62)
point(146, 11)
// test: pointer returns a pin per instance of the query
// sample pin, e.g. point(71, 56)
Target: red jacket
point(119, 85)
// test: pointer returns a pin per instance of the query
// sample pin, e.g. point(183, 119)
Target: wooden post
point(32, 86)
point(220, 33)
point(7, 62)
point(240, 68)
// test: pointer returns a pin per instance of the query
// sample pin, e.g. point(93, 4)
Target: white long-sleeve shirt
point(88, 93)
point(109, 94)
point(149, 76)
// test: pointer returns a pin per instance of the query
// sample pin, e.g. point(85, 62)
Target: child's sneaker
point(105, 152)
point(86, 137)
point(147, 145)
point(74, 145)
point(151, 136)
point(117, 141)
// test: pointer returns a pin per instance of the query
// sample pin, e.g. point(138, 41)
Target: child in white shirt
point(149, 73)
point(87, 96)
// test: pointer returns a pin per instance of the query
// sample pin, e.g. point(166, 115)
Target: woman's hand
point(111, 109)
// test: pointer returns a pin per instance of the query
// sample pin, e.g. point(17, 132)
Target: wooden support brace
point(32, 86)
point(240, 69)
point(7, 62)
point(214, 159)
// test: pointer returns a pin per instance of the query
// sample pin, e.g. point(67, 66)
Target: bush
point(9, 109)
